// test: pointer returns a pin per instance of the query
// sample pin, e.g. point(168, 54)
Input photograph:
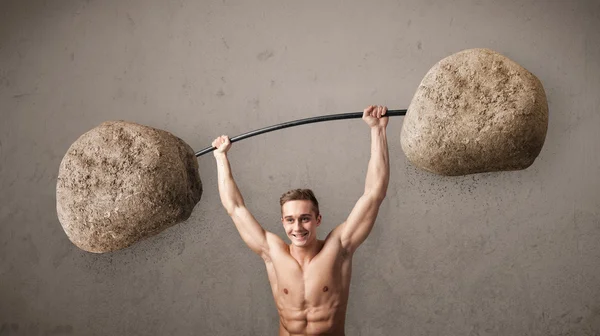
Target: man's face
point(300, 222)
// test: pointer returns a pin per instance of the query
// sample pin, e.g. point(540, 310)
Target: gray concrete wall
point(513, 253)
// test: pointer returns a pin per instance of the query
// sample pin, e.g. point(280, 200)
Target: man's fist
point(222, 145)
point(374, 116)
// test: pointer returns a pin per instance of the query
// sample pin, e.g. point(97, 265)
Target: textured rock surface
point(122, 182)
point(475, 111)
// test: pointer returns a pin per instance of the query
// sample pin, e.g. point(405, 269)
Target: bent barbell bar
point(340, 116)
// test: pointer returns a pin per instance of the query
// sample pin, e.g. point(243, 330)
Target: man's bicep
point(250, 230)
point(361, 220)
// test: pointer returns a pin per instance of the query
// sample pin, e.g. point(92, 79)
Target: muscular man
point(310, 278)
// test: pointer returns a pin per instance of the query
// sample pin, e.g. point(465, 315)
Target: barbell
point(312, 120)
point(475, 111)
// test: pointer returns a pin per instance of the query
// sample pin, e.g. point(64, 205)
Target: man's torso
point(311, 299)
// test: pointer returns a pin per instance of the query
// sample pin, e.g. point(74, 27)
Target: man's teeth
point(300, 235)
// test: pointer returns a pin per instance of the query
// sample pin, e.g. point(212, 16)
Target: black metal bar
point(352, 115)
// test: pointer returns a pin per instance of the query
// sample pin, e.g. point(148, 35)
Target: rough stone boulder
point(122, 182)
point(475, 111)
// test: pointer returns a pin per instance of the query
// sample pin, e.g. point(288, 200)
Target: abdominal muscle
point(323, 320)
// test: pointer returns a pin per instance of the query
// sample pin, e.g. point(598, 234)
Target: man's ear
point(319, 217)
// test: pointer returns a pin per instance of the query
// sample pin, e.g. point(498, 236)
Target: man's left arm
point(362, 217)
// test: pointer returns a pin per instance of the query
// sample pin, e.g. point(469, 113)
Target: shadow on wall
point(14, 329)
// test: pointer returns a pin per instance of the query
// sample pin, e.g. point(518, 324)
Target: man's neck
point(304, 255)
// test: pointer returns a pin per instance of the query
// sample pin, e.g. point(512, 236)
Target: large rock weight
point(475, 111)
point(122, 182)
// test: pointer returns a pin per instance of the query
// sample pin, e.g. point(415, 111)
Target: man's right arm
point(250, 230)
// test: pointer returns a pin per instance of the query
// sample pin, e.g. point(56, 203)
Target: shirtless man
point(310, 278)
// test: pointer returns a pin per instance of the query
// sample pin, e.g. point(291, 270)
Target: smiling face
point(300, 222)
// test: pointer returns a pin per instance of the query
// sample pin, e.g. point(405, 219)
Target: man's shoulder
point(335, 234)
point(333, 241)
point(276, 245)
point(274, 241)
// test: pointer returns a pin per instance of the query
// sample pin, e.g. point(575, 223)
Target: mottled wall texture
point(508, 253)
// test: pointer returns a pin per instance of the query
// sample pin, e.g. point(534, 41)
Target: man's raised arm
point(362, 218)
point(250, 230)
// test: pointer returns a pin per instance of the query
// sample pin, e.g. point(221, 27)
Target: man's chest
point(325, 277)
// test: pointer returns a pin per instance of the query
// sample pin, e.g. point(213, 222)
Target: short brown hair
point(300, 195)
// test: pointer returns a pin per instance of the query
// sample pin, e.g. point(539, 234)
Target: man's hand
point(374, 116)
point(222, 145)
